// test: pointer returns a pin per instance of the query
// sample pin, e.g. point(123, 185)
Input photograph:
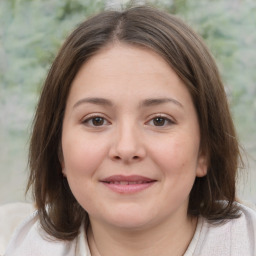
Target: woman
point(133, 150)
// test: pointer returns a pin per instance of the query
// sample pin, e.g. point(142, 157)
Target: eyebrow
point(97, 101)
point(145, 103)
point(159, 101)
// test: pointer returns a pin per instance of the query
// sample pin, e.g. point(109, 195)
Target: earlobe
point(61, 160)
point(63, 169)
point(62, 164)
point(64, 172)
point(202, 167)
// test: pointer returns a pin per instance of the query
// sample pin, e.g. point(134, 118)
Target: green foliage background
point(31, 32)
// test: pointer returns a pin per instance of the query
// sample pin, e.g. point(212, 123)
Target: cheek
point(81, 156)
point(177, 156)
point(82, 159)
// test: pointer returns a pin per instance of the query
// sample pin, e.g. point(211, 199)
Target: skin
point(127, 133)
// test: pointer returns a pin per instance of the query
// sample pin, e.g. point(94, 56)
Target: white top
point(233, 238)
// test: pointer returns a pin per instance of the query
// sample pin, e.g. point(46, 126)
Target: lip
point(127, 184)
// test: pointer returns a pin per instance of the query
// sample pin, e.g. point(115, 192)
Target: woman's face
point(131, 139)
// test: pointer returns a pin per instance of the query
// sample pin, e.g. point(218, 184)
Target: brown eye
point(97, 121)
point(159, 121)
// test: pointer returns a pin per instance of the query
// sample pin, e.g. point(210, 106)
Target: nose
point(128, 145)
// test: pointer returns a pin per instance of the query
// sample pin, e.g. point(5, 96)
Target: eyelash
point(89, 121)
point(167, 121)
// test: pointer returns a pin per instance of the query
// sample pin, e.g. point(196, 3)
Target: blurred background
point(31, 32)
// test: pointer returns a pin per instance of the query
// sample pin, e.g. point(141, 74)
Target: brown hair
point(212, 196)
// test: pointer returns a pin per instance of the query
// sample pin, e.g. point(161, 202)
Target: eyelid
point(170, 120)
point(89, 117)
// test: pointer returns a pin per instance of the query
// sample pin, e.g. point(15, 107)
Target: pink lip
point(127, 184)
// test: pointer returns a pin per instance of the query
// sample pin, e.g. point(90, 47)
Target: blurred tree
point(31, 32)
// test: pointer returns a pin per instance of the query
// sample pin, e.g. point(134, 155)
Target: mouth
point(127, 184)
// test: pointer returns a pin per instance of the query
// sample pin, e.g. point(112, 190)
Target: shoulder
point(234, 237)
point(30, 239)
point(11, 215)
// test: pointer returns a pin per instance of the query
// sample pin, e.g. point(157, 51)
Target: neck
point(169, 238)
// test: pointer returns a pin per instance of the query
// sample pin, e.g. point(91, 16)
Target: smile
point(127, 184)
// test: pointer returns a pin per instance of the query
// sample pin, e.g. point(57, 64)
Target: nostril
point(119, 158)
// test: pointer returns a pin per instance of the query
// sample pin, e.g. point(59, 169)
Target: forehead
point(124, 71)
point(120, 60)
point(129, 56)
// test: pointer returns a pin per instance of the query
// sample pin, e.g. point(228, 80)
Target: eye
point(95, 121)
point(160, 121)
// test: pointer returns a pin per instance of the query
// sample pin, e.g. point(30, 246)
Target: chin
point(132, 224)
point(131, 220)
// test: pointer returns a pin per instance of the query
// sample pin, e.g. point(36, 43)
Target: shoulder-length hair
point(59, 212)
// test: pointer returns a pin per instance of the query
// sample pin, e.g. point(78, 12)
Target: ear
point(61, 160)
point(202, 166)
point(63, 169)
